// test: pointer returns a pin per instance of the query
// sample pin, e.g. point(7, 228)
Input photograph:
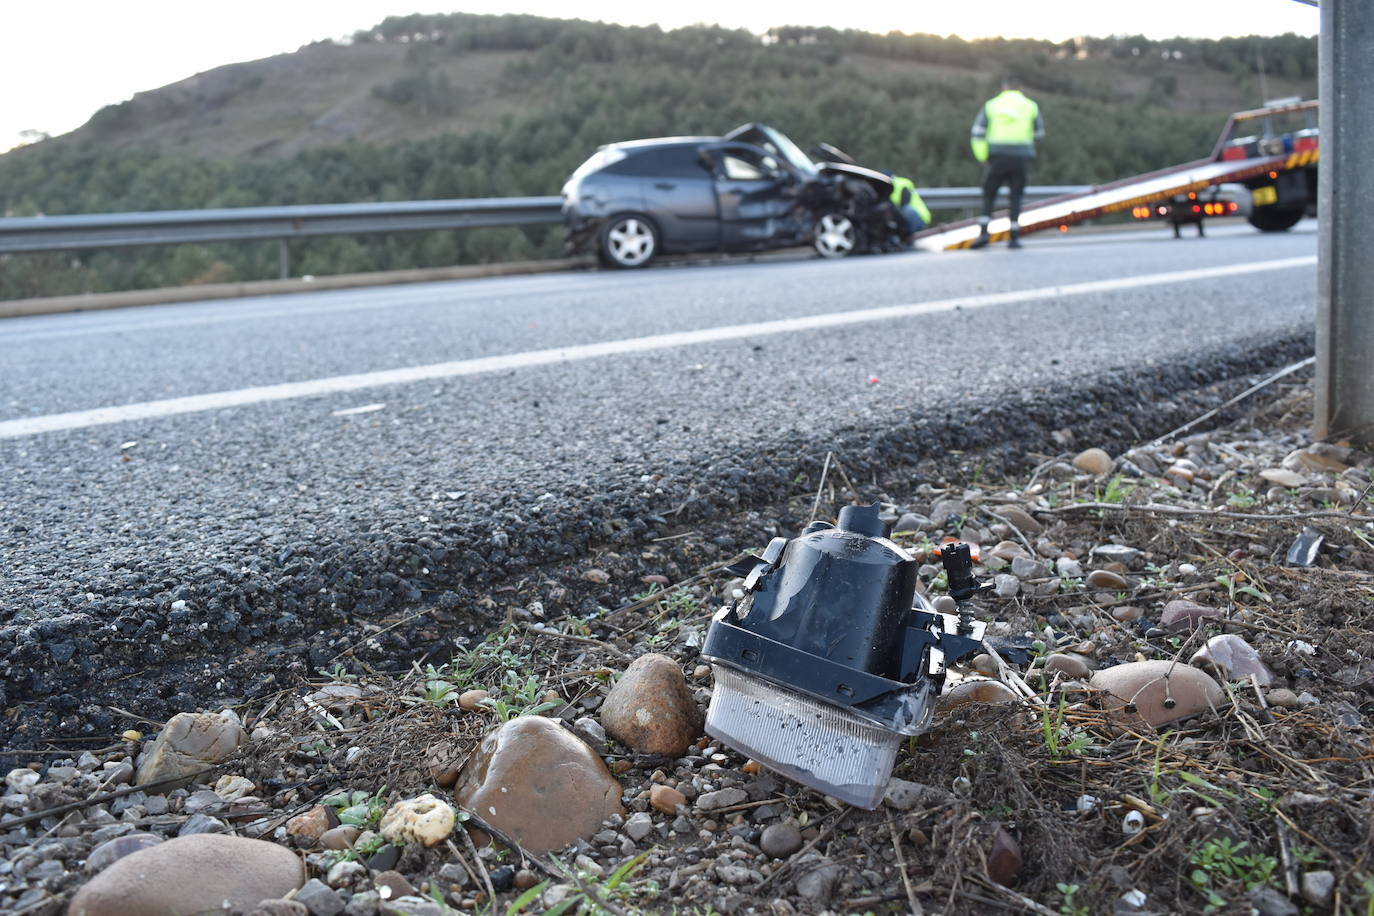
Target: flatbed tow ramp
point(1278, 166)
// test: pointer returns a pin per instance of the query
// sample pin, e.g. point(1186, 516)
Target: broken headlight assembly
point(832, 657)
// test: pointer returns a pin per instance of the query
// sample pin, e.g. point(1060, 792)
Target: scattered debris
point(1144, 785)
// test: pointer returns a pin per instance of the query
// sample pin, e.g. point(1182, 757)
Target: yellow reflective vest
point(1007, 125)
point(904, 194)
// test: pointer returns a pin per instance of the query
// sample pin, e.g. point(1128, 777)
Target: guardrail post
point(1344, 393)
point(284, 258)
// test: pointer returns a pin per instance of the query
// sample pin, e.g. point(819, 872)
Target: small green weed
point(519, 697)
point(1222, 862)
point(1069, 907)
point(358, 808)
point(1078, 740)
point(1241, 500)
point(1116, 492)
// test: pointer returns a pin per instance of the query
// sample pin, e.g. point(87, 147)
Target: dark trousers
point(1009, 171)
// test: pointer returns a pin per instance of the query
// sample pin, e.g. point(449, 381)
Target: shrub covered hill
point(442, 106)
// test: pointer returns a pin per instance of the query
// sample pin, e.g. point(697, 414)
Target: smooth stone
point(1235, 658)
point(105, 855)
point(308, 826)
point(944, 604)
point(984, 664)
point(1026, 568)
point(1116, 553)
point(539, 783)
point(1093, 461)
point(1269, 901)
point(1283, 477)
point(200, 874)
point(1068, 568)
point(471, 700)
point(904, 795)
point(279, 908)
point(1282, 697)
point(780, 840)
point(721, 798)
point(910, 523)
point(1318, 887)
point(1127, 613)
point(1181, 615)
point(1022, 519)
point(651, 709)
point(666, 799)
point(190, 742)
point(1160, 690)
point(392, 884)
point(344, 872)
point(320, 899)
point(1008, 551)
point(590, 731)
point(977, 690)
point(1108, 580)
point(639, 825)
point(818, 883)
point(1070, 666)
point(1004, 858)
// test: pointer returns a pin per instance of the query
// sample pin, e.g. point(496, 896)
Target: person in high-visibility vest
point(915, 213)
point(1004, 135)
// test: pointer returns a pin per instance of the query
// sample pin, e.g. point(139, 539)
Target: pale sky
point(62, 61)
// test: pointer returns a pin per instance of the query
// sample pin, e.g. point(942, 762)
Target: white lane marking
point(261, 394)
point(353, 411)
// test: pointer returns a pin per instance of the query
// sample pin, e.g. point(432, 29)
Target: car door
point(756, 195)
point(679, 194)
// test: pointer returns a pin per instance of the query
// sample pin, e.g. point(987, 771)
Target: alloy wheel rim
point(835, 235)
point(631, 242)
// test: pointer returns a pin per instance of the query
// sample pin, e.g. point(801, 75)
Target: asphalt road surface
point(209, 479)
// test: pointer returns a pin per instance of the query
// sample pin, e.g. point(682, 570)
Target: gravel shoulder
point(1039, 795)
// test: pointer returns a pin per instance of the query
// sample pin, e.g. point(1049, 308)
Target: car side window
point(747, 165)
point(669, 162)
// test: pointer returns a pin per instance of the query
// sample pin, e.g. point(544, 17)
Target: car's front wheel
point(836, 235)
point(629, 240)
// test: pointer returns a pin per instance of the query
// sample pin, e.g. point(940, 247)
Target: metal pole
point(284, 258)
point(1344, 395)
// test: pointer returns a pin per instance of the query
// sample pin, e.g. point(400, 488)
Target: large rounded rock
point(189, 743)
point(1158, 691)
point(539, 783)
point(651, 709)
point(203, 873)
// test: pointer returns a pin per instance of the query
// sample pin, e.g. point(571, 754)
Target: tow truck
point(1271, 151)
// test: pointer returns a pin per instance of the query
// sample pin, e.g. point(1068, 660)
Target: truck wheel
point(1273, 219)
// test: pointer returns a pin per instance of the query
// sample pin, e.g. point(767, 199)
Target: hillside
point(467, 106)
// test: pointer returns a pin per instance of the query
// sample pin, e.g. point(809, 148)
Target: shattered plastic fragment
point(1305, 548)
point(1235, 658)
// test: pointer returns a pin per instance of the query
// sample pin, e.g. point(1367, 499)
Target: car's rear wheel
point(836, 235)
point(629, 240)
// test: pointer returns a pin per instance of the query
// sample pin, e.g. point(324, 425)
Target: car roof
point(629, 145)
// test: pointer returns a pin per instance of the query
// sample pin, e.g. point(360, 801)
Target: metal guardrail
point(167, 227)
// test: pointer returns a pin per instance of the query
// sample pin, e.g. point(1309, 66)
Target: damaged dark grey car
point(749, 190)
